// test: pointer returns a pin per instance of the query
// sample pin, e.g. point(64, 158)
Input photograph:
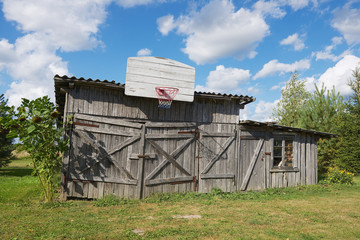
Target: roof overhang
point(275, 126)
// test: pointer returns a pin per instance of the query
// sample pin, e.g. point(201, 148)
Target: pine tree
point(348, 154)
point(322, 112)
point(6, 146)
point(293, 97)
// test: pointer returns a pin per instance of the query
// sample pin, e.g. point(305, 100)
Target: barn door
point(171, 167)
point(103, 158)
point(252, 163)
point(217, 160)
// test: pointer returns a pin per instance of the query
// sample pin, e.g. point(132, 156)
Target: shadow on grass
point(17, 172)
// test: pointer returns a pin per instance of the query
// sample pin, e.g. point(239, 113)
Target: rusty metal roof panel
point(273, 125)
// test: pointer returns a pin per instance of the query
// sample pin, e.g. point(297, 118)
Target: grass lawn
point(311, 212)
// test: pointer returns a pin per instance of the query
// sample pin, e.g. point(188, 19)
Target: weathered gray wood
point(217, 134)
point(223, 149)
point(303, 160)
point(168, 157)
point(140, 171)
point(316, 163)
point(252, 164)
point(217, 176)
point(174, 155)
point(107, 154)
point(168, 136)
point(150, 182)
point(308, 161)
point(143, 74)
point(170, 124)
point(104, 131)
point(146, 156)
point(82, 177)
point(274, 170)
point(107, 120)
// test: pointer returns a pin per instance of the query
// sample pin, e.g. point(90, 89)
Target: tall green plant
point(322, 112)
point(348, 154)
point(34, 124)
point(6, 144)
point(293, 97)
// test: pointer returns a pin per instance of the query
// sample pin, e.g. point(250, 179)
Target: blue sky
point(243, 47)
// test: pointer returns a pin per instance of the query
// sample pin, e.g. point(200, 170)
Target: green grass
point(305, 212)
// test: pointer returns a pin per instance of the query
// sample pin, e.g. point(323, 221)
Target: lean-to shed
point(127, 146)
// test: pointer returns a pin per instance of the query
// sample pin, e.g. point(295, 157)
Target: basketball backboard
point(144, 74)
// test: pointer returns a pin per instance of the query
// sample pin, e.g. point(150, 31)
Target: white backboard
point(143, 74)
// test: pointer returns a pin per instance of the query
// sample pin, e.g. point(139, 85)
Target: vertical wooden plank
point(269, 149)
point(308, 161)
point(314, 159)
point(316, 163)
point(297, 161)
point(303, 160)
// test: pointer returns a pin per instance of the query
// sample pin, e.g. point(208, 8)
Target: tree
point(34, 124)
point(348, 154)
point(293, 97)
point(6, 144)
point(322, 112)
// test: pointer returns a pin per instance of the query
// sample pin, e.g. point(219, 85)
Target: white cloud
point(295, 41)
point(144, 52)
point(133, 3)
point(274, 8)
point(274, 66)
point(277, 86)
point(339, 75)
point(327, 53)
point(32, 60)
point(347, 22)
point(258, 111)
point(218, 31)
point(166, 24)
point(225, 80)
point(271, 8)
point(298, 4)
point(310, 83)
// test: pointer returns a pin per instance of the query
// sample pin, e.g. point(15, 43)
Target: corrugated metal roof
point(281, 127)
point(244, 99)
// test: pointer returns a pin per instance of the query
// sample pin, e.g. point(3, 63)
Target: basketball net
point(166, 95)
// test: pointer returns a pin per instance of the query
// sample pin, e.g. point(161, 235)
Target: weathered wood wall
point(114, 103)
point(128, 147)
point(259, 167)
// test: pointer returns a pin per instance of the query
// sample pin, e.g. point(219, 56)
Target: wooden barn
point(125, 145)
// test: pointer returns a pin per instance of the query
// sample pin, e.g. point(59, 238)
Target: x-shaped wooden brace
point(169, 158)
point(104, 154)
point(214, 159)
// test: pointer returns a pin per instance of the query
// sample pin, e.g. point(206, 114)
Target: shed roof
point(65, 82)
point(281, 127)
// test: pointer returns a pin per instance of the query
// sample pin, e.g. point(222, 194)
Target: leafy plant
point(34, 124)
point(293, 97)
point(6, 144)
point(336, 175)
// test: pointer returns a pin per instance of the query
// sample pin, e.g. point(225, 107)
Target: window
point(283, 152)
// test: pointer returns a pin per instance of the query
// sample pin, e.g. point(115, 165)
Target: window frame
point(283, 139)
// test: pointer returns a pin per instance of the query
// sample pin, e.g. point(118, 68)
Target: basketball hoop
point(166, 95)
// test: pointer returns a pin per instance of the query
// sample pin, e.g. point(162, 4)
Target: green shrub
point(336, 175)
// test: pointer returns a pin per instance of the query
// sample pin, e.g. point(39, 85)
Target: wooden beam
point(168, 157)
point(216, 176)
point(252, 165)
point(107, 120)
point(224, 148)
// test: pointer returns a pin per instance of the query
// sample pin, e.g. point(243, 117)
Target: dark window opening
point(283, 152)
